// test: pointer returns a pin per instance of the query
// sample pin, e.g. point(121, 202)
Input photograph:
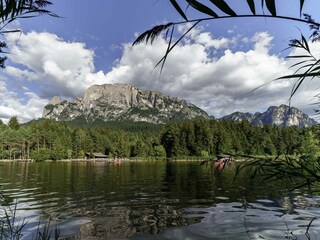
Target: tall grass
point(11, 228)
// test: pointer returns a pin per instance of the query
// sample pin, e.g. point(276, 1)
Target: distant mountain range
point(281, 116)
point(121, 102)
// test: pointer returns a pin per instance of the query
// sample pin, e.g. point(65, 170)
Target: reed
point(11, 228)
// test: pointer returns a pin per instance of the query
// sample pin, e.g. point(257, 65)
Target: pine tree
point(14, 123)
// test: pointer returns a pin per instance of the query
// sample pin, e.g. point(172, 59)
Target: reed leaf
point(163, 59)
point(315, 69)
point(224, 7)
point(168, 48)
point(202, 8)
point(11, 9)
point(277, 169)
point(299, 75)
point(301, 6)
point(305, 43)
point(299, 56)
point(178, 9)
point(299, 63)
point(252, 6)
point(152, 34)
point(271, 5)
point(42, 3)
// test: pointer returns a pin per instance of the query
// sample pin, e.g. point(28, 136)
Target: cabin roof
point(97, 155)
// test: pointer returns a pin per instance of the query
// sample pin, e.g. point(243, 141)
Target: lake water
point(155, 200)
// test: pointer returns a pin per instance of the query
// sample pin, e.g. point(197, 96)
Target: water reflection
point(155, 200)
point(120, 222)
point(236, 221)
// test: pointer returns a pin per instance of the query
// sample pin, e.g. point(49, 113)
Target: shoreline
point(106, 160)
point(100, 160)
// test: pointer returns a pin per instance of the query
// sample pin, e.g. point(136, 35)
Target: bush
point(41, 155)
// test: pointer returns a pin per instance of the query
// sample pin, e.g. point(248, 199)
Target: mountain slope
point(281, 116)
point(119, 102)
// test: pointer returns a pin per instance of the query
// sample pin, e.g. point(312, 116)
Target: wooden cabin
point(96, 155)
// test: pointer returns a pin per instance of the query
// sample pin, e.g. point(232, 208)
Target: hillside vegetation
point(49, 139)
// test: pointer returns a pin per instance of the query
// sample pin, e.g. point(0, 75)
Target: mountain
point(282, 116)
point(121, 102)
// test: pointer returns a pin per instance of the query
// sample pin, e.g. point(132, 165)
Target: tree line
point(49, 139)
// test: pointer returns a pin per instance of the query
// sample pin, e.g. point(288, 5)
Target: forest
point(51, 140)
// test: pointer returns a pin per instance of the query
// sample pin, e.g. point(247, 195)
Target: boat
point(223, 161)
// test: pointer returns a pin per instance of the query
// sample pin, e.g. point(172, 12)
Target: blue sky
point(215, 67)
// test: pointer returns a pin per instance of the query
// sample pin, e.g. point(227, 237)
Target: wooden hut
point(96, 155)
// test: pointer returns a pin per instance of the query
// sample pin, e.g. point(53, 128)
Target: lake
point(155, 200)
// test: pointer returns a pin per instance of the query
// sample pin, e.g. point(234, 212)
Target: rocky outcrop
point(116, 102)
point(281, 116)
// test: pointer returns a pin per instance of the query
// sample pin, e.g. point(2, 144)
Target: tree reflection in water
point(158, 200)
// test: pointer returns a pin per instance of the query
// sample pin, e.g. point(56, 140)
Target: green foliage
point(204, 154)
point(50, 107)
point(310, 145)
point(199, 136)
point(42, 155)
point(14, 123)
point(160, 151)
point(48, 139)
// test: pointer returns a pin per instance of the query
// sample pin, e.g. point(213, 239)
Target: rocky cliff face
point(116, 102)
point(281, 116)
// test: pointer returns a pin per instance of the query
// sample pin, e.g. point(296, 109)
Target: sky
point(215, 67)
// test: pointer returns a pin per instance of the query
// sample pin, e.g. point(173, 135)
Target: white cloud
point(207, 40)
point(18, 73)
point(11, 104)
point(60, 66)
point(7, 112)
point(220, 84)
point(204, 38)
point(262, 42)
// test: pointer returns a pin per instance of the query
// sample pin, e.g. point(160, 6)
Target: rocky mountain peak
point(55, 100)
point(114, 102)
point(282, 115)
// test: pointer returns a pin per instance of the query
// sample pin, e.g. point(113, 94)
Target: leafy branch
point(11, 10)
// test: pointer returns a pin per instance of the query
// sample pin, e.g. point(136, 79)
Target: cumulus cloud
point(12, 104)
point(60, 66)
point(220, 84)
point(198, 36)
